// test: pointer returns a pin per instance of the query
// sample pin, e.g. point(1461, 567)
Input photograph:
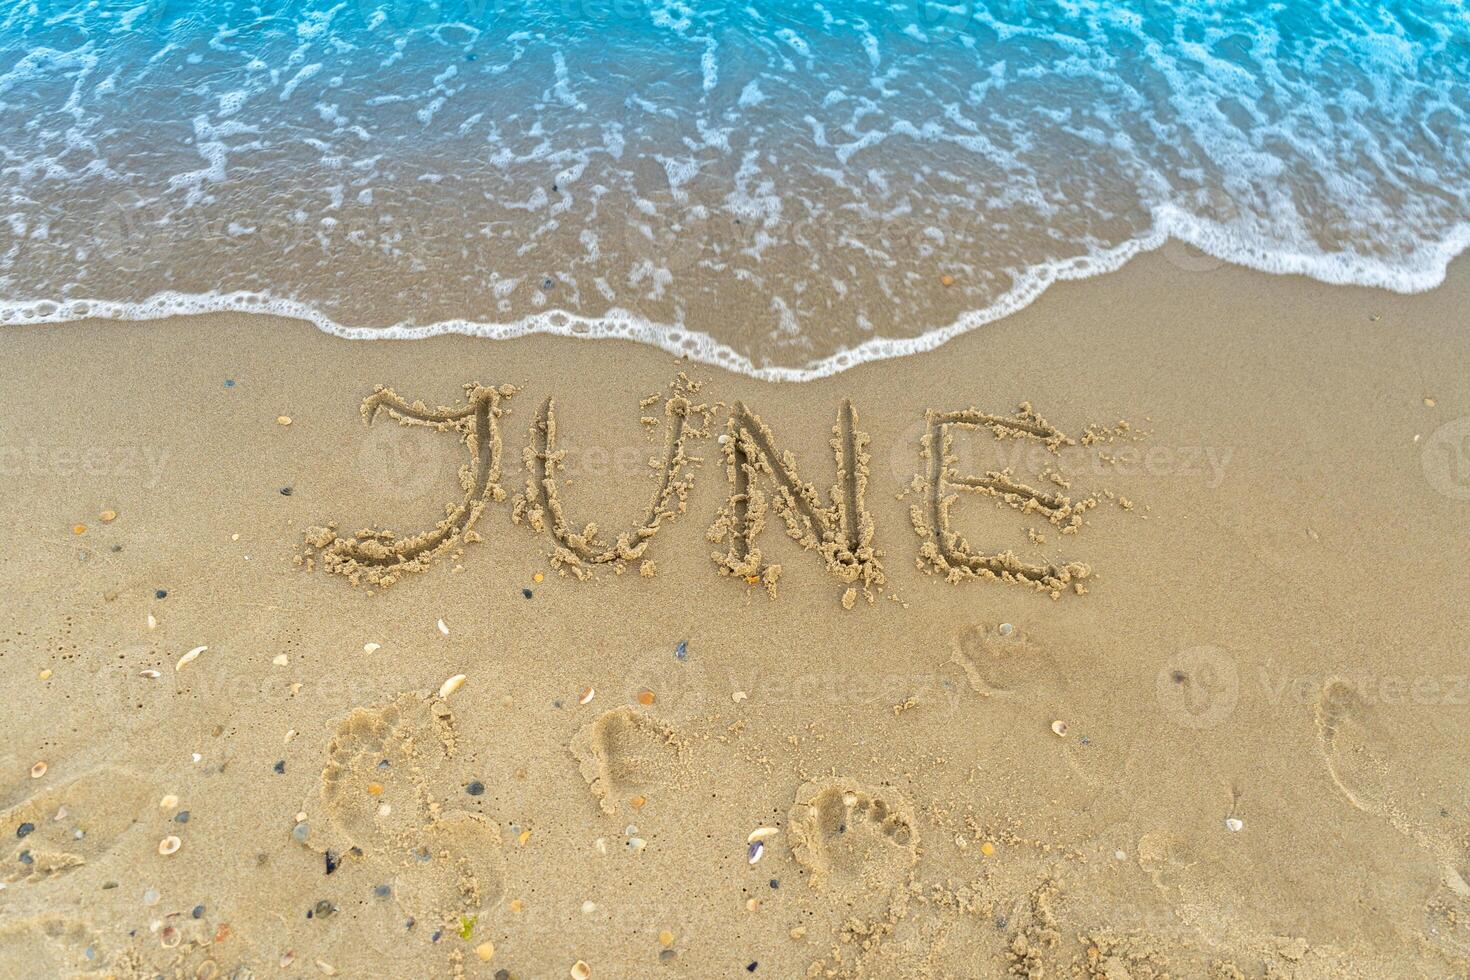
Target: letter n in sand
point(840, 530)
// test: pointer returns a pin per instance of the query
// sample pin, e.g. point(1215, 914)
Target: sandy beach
point(1207, 721)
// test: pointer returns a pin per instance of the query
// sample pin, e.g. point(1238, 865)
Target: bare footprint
point(45, 946)
point(69, 825)
point(382, 789)
point(1365, 761)
point(1008, 665)
point(625, 753)
point(855, 841)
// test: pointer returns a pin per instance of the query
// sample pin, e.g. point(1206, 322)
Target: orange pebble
point(79, 529)
point(645, 697)
point(638, 802)
point(946, 280)
point(753, 579)
point(375, 788)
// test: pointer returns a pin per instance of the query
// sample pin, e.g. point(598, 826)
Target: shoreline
point(1178, 248)
point(1244, 690)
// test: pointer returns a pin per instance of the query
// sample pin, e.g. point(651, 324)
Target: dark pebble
point(280, 766)
point(775, 882)
point(750, 967)
point(323, 909)
point(436, 936)
point(667, 955)
point(681, 652)
point(117, 548)
point(285, 491)
point(502, 975)
point(25, 858)
point(548, 282)
point(471, 57)
point(198, 912)
point(332, 861)
point(109, 885)
point(181, 817)
point(382, 891)
point(475, 788)
point(161, 594)
point(229, 382)
point(527, 593)
point(24, 829)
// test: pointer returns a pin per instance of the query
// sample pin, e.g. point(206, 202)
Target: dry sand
point(1261, 679)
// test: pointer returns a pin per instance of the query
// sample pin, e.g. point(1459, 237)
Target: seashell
point(170, 937)
point(761, 833)
point(442, 628)
point(588, 695)
point(38, 770)
point(450, 686)
point(169, 845)
point(580, 970)
point(189, 658)
point(757, 849)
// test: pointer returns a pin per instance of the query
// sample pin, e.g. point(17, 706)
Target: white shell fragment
point(442, 628)
point(450, 686)
point(761, 833)
point(189, 658)
point(1234, 824)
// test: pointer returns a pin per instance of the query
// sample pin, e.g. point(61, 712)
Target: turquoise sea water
point(782, 188)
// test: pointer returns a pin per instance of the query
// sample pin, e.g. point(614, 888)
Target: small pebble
point(442, 628)
point(108, 516)
point(25, 829)
point(1234, 824)
point(1059, 728)
point(280, 766)
point(527, 593)
point(197, 912)
point(181, 817)
point(168, 802)
point(160, 594)
point(484, 951)
point(285, 491)
point(580, 970)
point(283, 420)
point(300, 832)
point(151, 896)
point(383, 891)
point(1006, 629)
point(475, 788)
point(681, 652)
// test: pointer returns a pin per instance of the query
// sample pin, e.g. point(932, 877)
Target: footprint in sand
point(624, 754)
point(66, 826)
point(45, 946)
point(381, 791)
point(858, 843)
point(1007, 665)
point(1365, 759)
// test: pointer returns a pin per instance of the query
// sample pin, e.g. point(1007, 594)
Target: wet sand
point(1235, 746)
